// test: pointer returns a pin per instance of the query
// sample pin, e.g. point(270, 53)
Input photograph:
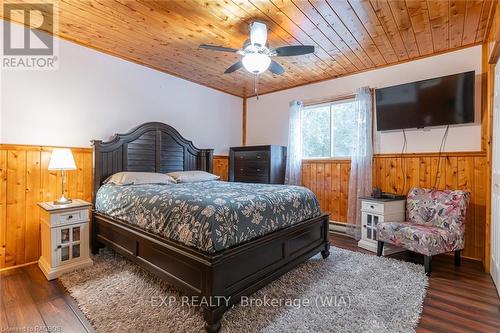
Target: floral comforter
point(210, 216)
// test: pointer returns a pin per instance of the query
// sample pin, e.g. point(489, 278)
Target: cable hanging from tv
point(441, 147)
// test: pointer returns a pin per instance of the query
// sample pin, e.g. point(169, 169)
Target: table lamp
point(62, 159)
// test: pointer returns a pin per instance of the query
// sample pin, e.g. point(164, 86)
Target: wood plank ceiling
point(350, 36)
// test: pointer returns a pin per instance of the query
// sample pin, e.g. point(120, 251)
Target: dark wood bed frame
point(234, 272)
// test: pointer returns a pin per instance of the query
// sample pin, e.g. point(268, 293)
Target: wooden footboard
point(226, 275)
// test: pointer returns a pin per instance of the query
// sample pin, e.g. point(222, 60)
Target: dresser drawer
point(251, 155)
point(70, 217)
point(372, 207)
point(251, 170)
point(263, 179)
point(251, 165)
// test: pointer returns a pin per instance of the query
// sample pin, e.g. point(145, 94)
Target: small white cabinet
point(375, 211)
point(65, 237)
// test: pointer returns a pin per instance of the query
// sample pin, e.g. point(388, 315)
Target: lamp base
point(62, 201)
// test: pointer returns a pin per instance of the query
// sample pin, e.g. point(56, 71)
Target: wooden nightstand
point(65, 237)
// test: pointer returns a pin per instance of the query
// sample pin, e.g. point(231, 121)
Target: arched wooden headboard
point(150, 147)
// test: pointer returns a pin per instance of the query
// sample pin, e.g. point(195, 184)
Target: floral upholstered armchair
point(435, 224)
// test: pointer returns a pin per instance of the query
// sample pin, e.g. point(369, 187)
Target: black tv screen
point(440, 101)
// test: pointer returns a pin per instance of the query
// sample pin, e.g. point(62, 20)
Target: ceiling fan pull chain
point(256, 85)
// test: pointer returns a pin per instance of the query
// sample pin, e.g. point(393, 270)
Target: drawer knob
point(372, 206)
point(241, 169)
point(59, 246)
point(258, 169)
point(70, 217)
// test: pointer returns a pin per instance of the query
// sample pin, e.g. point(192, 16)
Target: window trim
point(333, 158)
point(319, 101)
point(346, 99)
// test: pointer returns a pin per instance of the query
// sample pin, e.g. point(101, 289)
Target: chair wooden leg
point(427, 264)
point(380, 248)
point(411, 256)
point(458, 260)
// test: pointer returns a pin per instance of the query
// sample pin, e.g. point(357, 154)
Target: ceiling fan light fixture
point(256, 54)
point(256, 63)
point(258, 33)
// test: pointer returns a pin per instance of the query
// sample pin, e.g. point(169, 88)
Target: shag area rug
point(347, 292)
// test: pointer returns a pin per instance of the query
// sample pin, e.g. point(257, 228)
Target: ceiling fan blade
point(276, 68)
point(218, 48)
point(233, 67)
point(295, 50)
point(258, 33)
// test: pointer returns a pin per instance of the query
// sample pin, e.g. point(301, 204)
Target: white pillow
point(139, 178)
point(192, 176)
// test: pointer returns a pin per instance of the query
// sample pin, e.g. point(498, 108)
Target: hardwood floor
point(30, 303)
point(460, 299)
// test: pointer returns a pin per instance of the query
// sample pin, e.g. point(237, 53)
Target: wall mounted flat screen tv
point(440, 101)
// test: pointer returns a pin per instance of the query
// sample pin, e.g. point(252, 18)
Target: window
point(327, 129)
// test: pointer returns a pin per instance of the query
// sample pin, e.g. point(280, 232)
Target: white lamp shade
point(256, 63)
point(62, 159)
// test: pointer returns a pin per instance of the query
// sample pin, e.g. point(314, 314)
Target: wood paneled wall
point(329, 179)
point(221, 166)
point(25, 181)
point(466, 171)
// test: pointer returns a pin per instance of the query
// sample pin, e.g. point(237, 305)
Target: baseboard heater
point(337, 227)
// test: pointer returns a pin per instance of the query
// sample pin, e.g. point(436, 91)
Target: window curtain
point(293, 173)
point(360, 180)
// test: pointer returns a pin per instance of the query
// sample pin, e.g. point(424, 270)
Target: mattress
point(209, 216)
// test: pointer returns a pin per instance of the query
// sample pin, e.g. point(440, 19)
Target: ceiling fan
point(256, 54)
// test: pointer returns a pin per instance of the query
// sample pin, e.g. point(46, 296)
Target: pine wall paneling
point(221, 166)
point(25, 180)
point(329, 180)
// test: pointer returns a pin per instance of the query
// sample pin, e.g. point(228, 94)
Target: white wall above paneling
point(93, 95)
point(267, 121)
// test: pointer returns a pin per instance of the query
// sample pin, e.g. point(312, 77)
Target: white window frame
point(330, 104)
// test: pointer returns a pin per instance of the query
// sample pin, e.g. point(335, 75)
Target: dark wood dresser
point(257, 164)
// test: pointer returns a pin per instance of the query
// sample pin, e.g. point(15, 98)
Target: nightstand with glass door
point(375, 211)
point(65, 237)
